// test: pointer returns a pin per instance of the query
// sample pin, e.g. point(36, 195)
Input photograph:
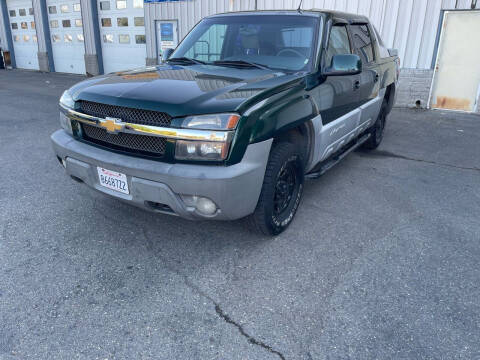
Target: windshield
point(284, 42)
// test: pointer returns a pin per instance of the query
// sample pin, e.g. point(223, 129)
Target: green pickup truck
point(238, 115)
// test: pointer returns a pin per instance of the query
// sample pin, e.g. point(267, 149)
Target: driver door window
point(338, 44)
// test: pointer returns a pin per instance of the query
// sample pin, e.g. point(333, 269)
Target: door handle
point(356, 85)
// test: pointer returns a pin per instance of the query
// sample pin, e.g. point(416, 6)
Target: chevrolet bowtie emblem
point(112, 125)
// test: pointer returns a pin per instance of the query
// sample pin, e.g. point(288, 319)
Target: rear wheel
point(281, 191)
point(378, 129)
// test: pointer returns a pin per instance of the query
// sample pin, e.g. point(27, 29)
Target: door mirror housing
point(167, 53)
point(348, 64)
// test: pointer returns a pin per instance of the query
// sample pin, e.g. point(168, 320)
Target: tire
point(378, 129)
point(282, 190)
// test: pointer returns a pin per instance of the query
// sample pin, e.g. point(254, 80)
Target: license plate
point(113, 180)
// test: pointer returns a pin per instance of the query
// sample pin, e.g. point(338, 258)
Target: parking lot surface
point(381, 262)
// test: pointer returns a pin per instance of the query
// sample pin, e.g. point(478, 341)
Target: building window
point(76, 7)
point(121, 4)
point(108, 38)
point(14, 26)
point(66, 23)
point(13, 13)
point(34, 38)
point(32, 24)
point(30, 11)
point(22, 12)
point(54, 23)
point(104, 5)
point(26, 38)
point(78, 22)
point(80, 37)
point(106, 22)
point(24, 25)
point(56, 38)
point(64, 9)
point(123, 21)
point(16, 38)
point(139, 21)
point(68, 38)
point(138, 4)
point(140, 39)
point(124, 39)
point(52, 9)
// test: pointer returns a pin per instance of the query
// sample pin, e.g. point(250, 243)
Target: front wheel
point(281, 191)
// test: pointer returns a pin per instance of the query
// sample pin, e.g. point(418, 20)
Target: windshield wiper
point(186, 60)
point(242, 63)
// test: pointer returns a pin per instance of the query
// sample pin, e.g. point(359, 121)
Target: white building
point(96, 36)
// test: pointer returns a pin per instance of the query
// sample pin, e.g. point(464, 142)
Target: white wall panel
point(409, 25)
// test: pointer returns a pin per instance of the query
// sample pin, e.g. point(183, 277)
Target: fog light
point(203, 205)
point(206, 206)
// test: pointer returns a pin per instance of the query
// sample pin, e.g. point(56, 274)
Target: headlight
point(211, 122)
point(67, 100)
point(201, 150)
point(66, 123)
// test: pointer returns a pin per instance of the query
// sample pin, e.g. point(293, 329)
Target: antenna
point(299, 9)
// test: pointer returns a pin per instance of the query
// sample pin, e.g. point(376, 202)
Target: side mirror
point(167, 53)
point(344, 65)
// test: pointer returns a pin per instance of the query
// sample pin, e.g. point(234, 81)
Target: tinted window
point(124, 39)
point(106, 22)
point(52, 9)
point(363, 42)
point(66, 23)
point(30, 11)
point(105, 5)
point(22, 12)
point(123, 21)
point(140, 39)
point(139, 21)
point(14, 26)
point(12, 13)
point(338, 44)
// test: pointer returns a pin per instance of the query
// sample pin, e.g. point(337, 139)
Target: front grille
point(126, 114)
point(143, 144)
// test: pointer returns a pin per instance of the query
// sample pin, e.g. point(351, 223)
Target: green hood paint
point(182, 90)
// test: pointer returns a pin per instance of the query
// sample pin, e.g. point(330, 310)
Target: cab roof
point(335, 16)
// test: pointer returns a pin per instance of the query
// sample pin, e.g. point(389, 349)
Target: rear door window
point(362, 41)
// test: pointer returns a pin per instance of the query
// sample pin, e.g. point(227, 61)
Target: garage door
point(66, 30)
point(24, 34)
point(122, 29)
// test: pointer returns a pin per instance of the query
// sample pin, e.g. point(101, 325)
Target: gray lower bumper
point(234, 189)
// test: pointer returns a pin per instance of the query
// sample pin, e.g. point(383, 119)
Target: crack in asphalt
point(219, 311)
point(252, 340)
point(384, 153)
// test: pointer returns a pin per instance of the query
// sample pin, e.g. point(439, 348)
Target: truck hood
point(181, 90)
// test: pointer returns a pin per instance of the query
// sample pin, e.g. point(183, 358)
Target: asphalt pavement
point(381, 261)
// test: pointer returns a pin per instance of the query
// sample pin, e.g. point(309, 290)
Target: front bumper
point(157, 186)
